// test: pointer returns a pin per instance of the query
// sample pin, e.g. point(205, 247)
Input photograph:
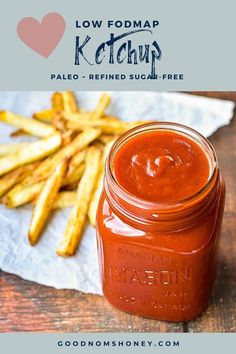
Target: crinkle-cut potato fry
point(108, 126)
point(45, 202)
point(64, 101)
point(46, 115)
point(32, 152)
point(10, 179)
point(6, 149)
point(103, 103)
point(92, 211)
point(78, 215)
point(64, 200)
point(29, 125)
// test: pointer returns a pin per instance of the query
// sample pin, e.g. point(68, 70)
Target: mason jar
point(158, 222)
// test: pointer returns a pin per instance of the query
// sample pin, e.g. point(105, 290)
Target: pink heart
point(42, 37)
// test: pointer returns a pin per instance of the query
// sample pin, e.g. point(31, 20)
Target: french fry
point(59, 122)
point(43, 171)
point(98, 144)
point(64, 169)
point(79, 143)
point(32, 152)
point(107, 125)
point(92, 211)
point(70, 187)
point(28, 125)
point(99, 111)
point(76, 160)
point(79, 115)
point(64, 200)
point(57, 103)
point(45, 115)
point(70, 101)
point(82, 110)
point(67, 137)
point(64, 101)
point(46, 166)
point(80, 118)
point(22, 194)
point(77, 218)
point(18, 132)
point(6, 149)
point(74, 176)
point(45, 202)
point(105, 138)
point(10, 179)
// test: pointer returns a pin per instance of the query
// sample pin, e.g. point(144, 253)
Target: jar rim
point(194, 135)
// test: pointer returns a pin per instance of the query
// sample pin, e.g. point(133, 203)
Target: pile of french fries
point(63, 168)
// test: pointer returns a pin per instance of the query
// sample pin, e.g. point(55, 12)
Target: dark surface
point(26, 306)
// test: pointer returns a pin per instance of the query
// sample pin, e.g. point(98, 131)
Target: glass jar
point(158, 260)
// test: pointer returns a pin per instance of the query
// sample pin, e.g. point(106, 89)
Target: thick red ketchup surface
point(161, 166)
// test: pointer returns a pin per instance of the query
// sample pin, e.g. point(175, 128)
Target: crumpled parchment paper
point(40, 263)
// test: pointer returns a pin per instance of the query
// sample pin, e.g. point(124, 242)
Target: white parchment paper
point(40, 263)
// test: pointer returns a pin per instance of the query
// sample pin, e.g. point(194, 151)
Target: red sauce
point(159, 221)
point(161, 166)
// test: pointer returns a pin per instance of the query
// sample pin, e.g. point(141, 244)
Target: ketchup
point(161, 166)
point(158, 222)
